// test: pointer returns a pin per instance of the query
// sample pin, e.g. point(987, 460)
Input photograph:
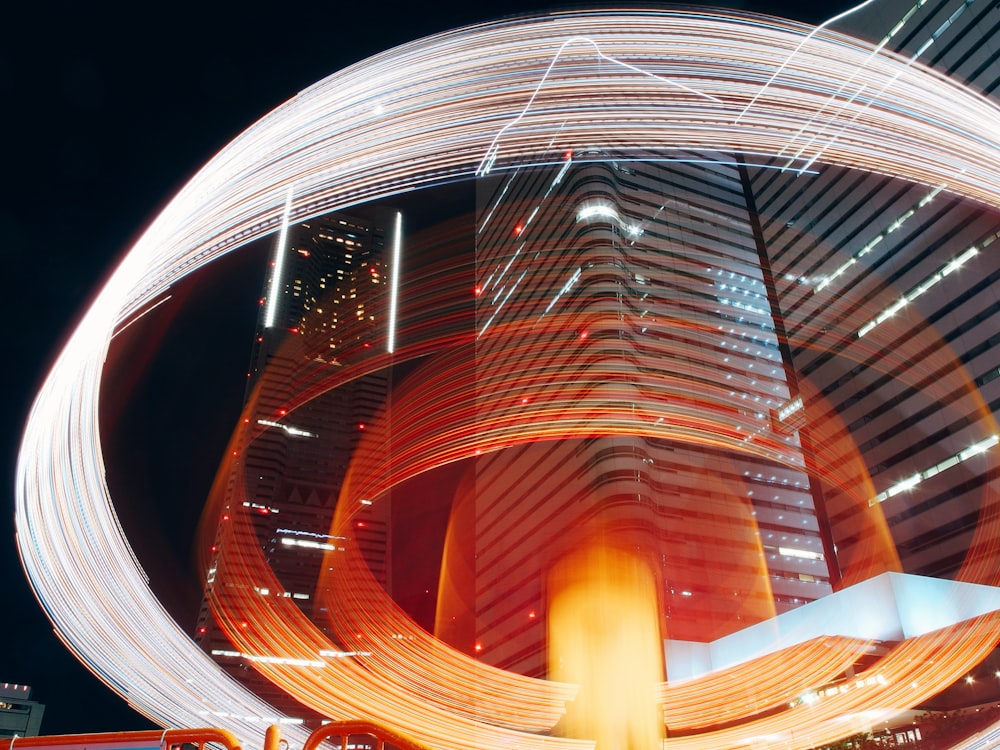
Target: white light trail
point(397, 251)
point(910, 482)
point(492, 152)
point(287, 429)
point(263, 659)
point(308, 544)
point(277, 275)
point(798, 48)
point(924, 286)
point(145, 312)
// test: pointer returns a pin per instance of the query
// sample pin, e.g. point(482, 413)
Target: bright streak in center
point(394, 283)
point(279, 264)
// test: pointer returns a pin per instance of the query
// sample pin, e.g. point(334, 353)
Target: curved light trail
point(424, 113)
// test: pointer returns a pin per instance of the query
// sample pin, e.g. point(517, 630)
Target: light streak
point(905, 485)
point(287, 429)
point(397, 250)
point(144, 313)
point(884, 86)
point(277, 275)
point(924, 286)
point(798, 48)
point(491, 153)
point(458, 86)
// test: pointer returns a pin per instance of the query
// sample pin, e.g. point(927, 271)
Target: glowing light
point(277, 276)
point(597, 210)
point(800, 553)
point(397, 250)
point(790, 408)
point(287, 429)
point(604, 636)
point(910, 482)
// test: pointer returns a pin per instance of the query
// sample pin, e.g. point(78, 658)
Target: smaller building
point(19, 716)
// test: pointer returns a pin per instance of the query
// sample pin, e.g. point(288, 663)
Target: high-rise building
point(848, 317)
point(638, 282)
point(322, 312)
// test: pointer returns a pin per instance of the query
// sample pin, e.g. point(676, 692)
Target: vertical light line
point(795, 51)
point(394, 283)
point(279, 264)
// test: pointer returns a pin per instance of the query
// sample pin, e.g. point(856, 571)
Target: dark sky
point(107, 108)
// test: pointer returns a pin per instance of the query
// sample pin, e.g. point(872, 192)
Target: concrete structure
point(19, 716)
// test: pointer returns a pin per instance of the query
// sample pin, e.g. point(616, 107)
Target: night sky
point(107, 110)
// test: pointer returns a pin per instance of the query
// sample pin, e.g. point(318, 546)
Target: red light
point(261, 302)
point(259, 339)
point(201, 630)
point(518, 229)
point(372, 270)
point(478, 290)
point(531, 615)
point(244, 624)
point(293, 330)
point(282, 412)
point(524, 400)
point(213, 548)
point(225, 517)
point(583, 335)
point(361, 426)
point(479, 647)
point(569, 155)
point(361, 524)
point(246, 420)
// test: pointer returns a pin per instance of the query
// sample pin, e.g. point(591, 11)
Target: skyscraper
point(633, 285)
point(322, 310)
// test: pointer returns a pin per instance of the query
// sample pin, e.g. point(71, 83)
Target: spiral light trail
point(478, 98)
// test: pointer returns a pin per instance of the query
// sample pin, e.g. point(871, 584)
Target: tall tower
point(633, 289)
point(888, 292)
point(324, 308)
